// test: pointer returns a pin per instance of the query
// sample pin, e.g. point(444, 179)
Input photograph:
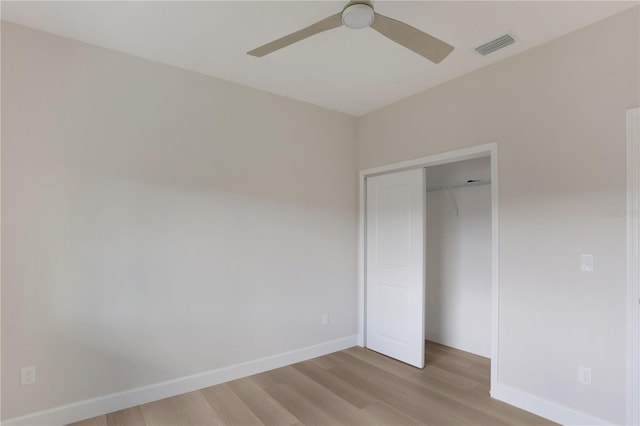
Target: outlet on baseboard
point(584, 375)
point(27, 375)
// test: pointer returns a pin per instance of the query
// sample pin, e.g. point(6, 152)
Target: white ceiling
point(352, 71)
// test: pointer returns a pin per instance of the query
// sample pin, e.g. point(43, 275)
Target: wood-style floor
point(352, 387)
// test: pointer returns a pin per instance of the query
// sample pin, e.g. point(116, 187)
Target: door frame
point(633, 266)
point(490, 149)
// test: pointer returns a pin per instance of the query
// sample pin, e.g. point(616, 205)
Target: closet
point(428, 259)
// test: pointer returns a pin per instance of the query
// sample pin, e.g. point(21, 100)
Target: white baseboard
point(543, 407)
point(467, 346)
point(118, 401)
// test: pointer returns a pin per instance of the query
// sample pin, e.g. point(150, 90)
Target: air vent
point(494, 45)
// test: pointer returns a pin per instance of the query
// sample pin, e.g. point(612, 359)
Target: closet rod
point(464, 185)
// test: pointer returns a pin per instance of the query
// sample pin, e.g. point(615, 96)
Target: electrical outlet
point(28, 375)
point(325, 319)
point(586, 263)
point(584, 375)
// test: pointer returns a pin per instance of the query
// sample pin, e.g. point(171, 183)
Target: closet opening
point(428, 259)
point(458, 255)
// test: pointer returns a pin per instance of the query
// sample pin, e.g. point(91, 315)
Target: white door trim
point(633, 266)
point(432, 160)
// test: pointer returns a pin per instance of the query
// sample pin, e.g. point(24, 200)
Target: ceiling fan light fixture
point(358, 16)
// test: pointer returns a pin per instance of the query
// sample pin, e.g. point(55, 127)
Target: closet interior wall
point(458, 252)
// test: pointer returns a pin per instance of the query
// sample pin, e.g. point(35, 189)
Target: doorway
point(388, 292)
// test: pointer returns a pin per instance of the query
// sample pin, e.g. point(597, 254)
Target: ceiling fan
point(360, 14)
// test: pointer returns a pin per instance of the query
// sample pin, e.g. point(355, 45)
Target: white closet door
point(395, 265)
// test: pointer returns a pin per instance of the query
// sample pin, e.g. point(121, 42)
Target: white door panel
point(395, 265)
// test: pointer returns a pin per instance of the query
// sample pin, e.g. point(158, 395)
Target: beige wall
point(158, 223)
point(557, 113)
point(134, 195)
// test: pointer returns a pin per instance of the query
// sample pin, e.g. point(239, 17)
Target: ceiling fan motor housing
point(358, 15)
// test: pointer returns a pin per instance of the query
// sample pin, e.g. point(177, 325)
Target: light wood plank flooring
point(352, 387)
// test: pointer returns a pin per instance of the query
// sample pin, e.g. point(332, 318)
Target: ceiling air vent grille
point(494, 45)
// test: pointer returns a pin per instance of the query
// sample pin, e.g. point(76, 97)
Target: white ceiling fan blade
point(412, 38)
point(331, 22)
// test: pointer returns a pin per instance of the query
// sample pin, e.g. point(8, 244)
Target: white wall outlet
point(586, 263)
point(584, 375)
point(325, 319)
point(28, 375)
